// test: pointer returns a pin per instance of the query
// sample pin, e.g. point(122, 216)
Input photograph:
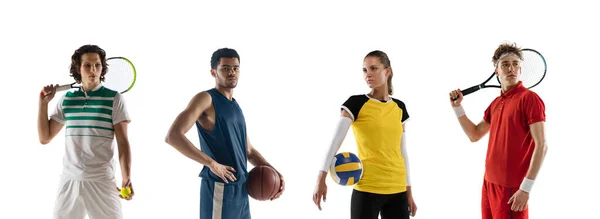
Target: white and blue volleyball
point(346, 169)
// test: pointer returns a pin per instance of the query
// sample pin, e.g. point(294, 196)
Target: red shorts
point(494, 199)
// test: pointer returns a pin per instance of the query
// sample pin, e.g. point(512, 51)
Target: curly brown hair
point(76, 61)
point(385, 60)
point(506, 48)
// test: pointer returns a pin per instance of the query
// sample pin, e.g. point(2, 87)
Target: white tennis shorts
point(96, 199)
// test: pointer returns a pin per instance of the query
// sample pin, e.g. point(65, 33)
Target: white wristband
point(526, 185)
point(459, 111)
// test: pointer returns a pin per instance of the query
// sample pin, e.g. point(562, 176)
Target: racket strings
point(533, 69)
point(120, 76)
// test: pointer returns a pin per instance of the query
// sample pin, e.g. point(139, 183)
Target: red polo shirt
point(510, 144)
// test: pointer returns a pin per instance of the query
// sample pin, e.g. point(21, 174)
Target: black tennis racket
point(533, 71)
point(120, 77)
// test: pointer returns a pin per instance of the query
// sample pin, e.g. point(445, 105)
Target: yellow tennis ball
point(125, 192)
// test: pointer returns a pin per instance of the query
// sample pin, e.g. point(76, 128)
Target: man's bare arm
point(539, 153)
point(47, 128)
point(124, 149)
point(254, 157)
point(474, 132)
point(183, 123)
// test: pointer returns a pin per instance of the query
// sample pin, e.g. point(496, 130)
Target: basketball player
point(379, 123)
point(225, 147)
point(517, 145)
point(94, 116)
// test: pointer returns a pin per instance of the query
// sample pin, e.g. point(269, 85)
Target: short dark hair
point(506, 48)
point(385, 60)
point(76, 61)
point(222, 53)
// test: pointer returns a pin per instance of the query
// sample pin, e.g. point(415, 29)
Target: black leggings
point(368, 205)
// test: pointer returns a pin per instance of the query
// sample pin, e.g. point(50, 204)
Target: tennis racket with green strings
point(120, 77)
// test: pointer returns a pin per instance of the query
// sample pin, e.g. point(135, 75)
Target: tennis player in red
point(517, 145)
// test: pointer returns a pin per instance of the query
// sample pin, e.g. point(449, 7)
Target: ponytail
point(389, 83)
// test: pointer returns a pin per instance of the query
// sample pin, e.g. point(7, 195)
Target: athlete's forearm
point(256, 159)
point(341, 130)
point(185, 146)
point(125, 160)
point(322, 177)
point(467, 125)
point(470, 129)
point(404, 152)
point(539, 153)
point(124, 149)
point(43, 124)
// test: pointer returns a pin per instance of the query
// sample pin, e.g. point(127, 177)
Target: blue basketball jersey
point(226, 143)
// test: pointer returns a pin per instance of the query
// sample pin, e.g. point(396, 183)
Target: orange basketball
point(263, 183)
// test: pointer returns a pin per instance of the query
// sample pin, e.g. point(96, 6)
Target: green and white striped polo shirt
point(89, 120)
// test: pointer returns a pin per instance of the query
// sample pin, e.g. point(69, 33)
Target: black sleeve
point(353, 105)
point(402, 106)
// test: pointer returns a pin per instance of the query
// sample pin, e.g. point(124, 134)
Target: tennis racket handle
point(63, 87)
point(468, 91)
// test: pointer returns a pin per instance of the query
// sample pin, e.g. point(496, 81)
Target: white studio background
point(299, 62)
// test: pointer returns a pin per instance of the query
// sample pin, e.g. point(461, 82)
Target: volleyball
point(346, 169)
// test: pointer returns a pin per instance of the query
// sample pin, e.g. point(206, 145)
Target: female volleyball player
point(378, 122)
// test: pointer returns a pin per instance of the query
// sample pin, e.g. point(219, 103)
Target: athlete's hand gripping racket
point(533, 71)
point(120, 76)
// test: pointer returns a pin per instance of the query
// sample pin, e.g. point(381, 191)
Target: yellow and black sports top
point(377, 127)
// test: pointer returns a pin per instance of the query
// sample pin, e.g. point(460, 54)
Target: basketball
point(263, 183)
point(346, 169)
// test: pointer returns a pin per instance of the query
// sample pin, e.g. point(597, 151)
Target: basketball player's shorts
point(223, 201)
point(96, 199)
point(494, 203)
point(365, 205)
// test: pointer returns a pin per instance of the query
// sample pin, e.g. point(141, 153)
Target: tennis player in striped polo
point(93, 117)
point(225, 147)
point(517, 146)
point(379, 122)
